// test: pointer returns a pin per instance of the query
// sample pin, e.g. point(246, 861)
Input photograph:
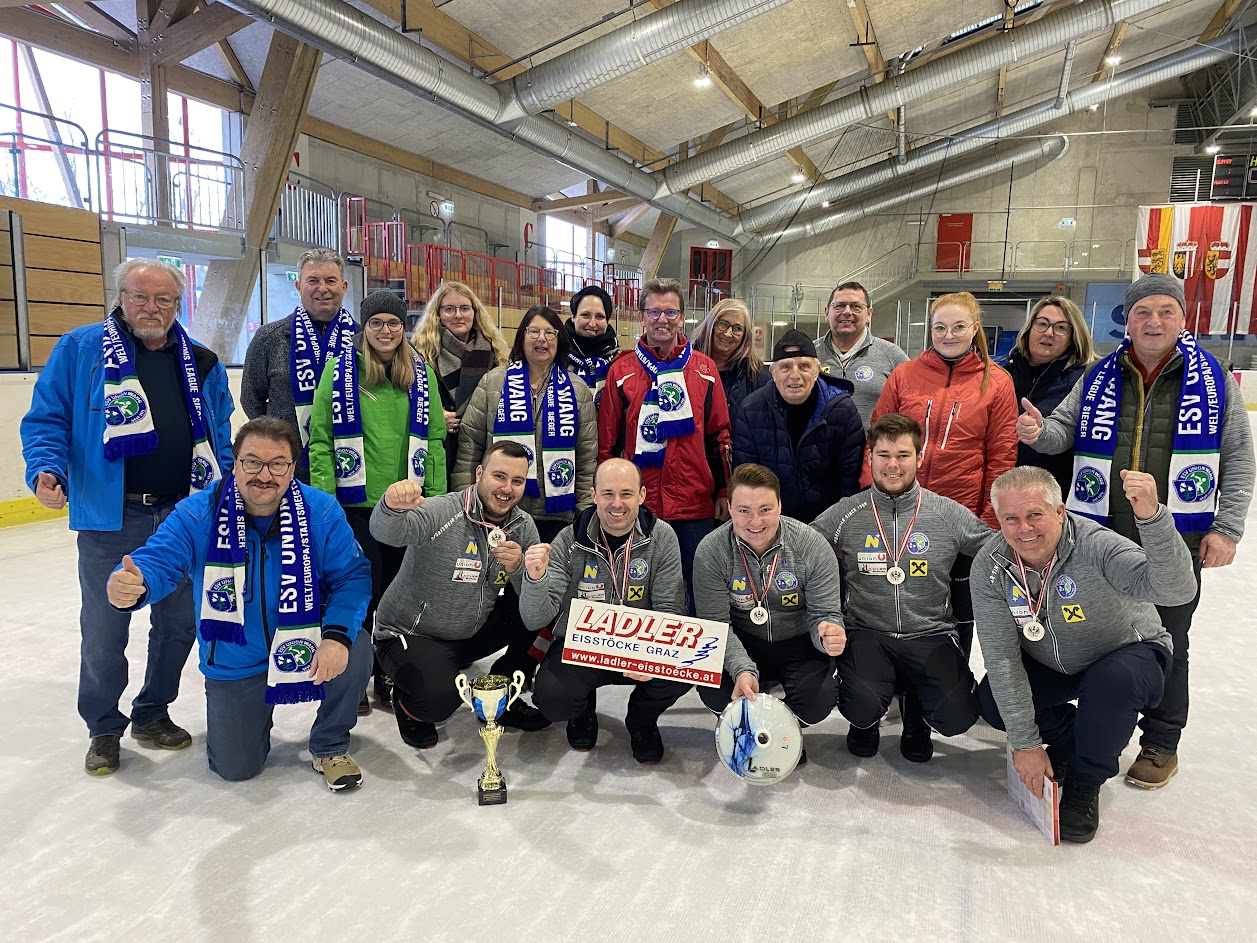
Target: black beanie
point(383, 302)
point(607, 304)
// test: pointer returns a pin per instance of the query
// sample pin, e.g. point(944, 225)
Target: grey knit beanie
point(1156, 284)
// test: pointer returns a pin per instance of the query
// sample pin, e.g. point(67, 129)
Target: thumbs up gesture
point(48, 491)
point(126, 585)
point(536, 560)
point(1029, 423)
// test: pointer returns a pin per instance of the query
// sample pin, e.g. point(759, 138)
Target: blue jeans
point(105, 631)
point(689, 535)
point(238, 719)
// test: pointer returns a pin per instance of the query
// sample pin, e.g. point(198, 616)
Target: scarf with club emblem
point(666, 410)
point(515, 422)
point(307, 356)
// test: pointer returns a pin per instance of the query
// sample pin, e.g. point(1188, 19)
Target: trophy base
point(493, 793)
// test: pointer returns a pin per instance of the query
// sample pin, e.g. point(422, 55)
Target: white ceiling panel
point(903, 25)
point(518, 27)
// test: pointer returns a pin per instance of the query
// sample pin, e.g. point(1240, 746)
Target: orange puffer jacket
point(970, 437)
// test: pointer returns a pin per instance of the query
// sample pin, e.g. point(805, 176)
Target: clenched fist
point(536, 560)
point(48, 491)
point(1141, 492)
point(126, 586)
point(403, 496)
point(833, 637)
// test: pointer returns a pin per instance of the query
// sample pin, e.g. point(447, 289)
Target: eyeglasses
point(385, 324)
point(957, 330)
point(855, 307)
point(1043, 325)
point(725, 327)
point(253, 466)
point(668, 314)
point(532, 333)
point(163, 302)
point(457, 309)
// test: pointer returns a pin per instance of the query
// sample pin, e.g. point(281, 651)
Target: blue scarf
point(298, 635)
point(514, 421)
point(307, 356)
point(129, 428)
point(1193, 485)
point(666, 410)
point(348, 448)
point(593, 370)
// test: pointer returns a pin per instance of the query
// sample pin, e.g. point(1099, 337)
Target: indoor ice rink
point(760, 150)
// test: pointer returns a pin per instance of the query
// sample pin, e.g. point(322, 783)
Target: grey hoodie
point(921, 604)
point(868, 367)
point(805, 591)
point(1104, 594)
point(580, 569)
point(449, 581)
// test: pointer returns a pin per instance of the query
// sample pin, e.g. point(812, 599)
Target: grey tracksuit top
point(580, 569)
point(921, 604)
point(1103, 595)
point(805, 590)
point(868, 367)
point(449, 581)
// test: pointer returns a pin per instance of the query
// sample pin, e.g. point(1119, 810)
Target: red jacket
point(695, 467)
point(970, 437)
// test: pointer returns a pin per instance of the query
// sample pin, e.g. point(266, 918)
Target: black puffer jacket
point(826, 466)
point(1045, 387)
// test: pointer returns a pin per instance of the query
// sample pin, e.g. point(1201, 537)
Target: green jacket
point(385, 437)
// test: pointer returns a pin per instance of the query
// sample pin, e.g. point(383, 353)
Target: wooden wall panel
point(6, 283)
point(55, 320)
point(44, 219)
point(64, 255)
point(64, 287)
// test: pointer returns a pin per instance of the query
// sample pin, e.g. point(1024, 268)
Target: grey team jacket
point(1103, 595)
point(921, 604)
point(805, 590)
point(580, 569)
point(449, 581)
point(867, 368)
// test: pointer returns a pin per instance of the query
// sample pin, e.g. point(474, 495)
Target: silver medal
point(759, 615)
point(895, 575)
point(496, 536)
point(1032, 630)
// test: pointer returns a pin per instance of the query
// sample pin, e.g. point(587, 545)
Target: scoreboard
point(1234, 177)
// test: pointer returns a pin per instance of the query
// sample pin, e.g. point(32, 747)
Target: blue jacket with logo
point(65, 429)
point(180, 548)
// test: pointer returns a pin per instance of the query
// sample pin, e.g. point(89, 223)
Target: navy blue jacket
point(1045, 387)
point(826, 467)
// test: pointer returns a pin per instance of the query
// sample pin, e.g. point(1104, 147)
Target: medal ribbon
point(759, 600)
point(1043, 590)
point(487, 525)
point(907, 534)
point(621, 589)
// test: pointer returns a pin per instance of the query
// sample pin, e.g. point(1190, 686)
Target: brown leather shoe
point(1152, 769)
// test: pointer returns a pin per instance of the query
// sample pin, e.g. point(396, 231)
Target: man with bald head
point(1158, 404)
point(616, 552)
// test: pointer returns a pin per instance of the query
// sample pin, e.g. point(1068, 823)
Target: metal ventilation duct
point(1047, 148)
point(871, 102)
point(622, 51)
point(349, 34)
point(965, 142)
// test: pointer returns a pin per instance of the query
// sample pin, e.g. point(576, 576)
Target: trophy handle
point(515, 688)
point(460, 682)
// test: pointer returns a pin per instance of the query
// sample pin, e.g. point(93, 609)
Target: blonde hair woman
point(458, 339)
point(725, 337)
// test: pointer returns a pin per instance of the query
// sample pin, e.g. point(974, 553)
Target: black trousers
point(806, 674)
point(562, 691)
point(385, 560)
point(423, 668)
point(1111, 692)
point(1163, 725)
point(962, 603)
point(876, 666)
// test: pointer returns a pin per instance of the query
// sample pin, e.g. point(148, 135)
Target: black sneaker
point(646, 743)
point(162, 732)
point(915, 743)
point(522, 716)
point(863, 742)
point(802, 758)
point(416, 733)
point(102, 755)
point(1080, 812)
point(364, 706)
point(582, 730)
point(383, 692)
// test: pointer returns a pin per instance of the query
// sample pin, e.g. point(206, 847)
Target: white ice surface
point(592, 846)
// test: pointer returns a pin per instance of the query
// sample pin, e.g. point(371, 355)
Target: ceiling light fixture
point(704, 78)
point(824, 204)
point(798, 176)
point(1095, 107)
point(1212, 149)
point(1112, 60)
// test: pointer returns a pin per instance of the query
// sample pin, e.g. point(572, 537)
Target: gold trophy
point(489, 696)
